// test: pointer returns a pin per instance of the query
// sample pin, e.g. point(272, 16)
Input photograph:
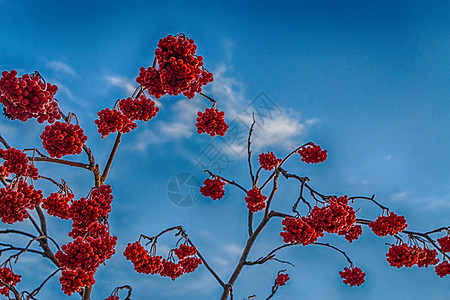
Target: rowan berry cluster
point(353, 276)
point(313, 154)
point(16, 162)
point(353, 234)
point(143, 262)
point(180, 70)
point(268, 161)
point(444, 242)
point(8, 277)
point(15, 199)
point(298, 231)
point(255, 200)
point(89, 251)
point(281, 279)
point(443, 269)
point(213, 188)
point(408, 256)
point(337, 217)
point(112, 297)
point(141, 109)
point(110, 121)
point(73, 280)
point(212, 122)
point(150, 79)
point(84, 211)
point(61, 139)
point(28, 97)
point(391, 225)
point(57, 204)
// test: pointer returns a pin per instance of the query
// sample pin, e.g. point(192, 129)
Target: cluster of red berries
point(141, 109)
point(28, 97)
point(179, 69)
point(444, 242)
point(212, 122)
point(112, 297)
point(143, 262)
point(57, 204)
point(15, 199)
point(281, 279)
point(151, 80)
point(61, 139)
point(89, 251)
point(408, 256)
point(16, 162)
point(313, 154)
point(255, 200)
point(73, 280)
point(86, 211)
point(110, 121)
point(443, 269)
point(391, 225)
point(8, 277)
point(337, 217)
point(353, 233)
point(353, 276)
point(268, 161)
point(298, 231)
point(213, 188)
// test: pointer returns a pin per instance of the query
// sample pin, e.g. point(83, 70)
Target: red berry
point(403, 255)
point(444, 242)
point(442, 269)
point(391, 225)
point(211, 121)
point(61, 139)
point(281, 279)
point(313, 154)
point(255, 200)
point(268, 161)
point(113, 120)
point(213, 188)
point(74, 280)
point(353, 276)
point(8, 277)
point(16, 162)
point(298, 231)
point(142, 109)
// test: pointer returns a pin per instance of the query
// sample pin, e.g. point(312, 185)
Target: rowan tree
point(176, 70)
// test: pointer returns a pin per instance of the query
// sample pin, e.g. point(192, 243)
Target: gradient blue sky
point(369, 81)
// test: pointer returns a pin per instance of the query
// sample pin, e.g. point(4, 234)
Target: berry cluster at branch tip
point(255, 200)
point(268, 161)
point(312, 154)
point(281, 279)
point(213, 188)
point(60, 139)
point(145, 263)
point(353, 276)
point(141, 109)
point(57, 205)
point(16, 162)
point(28, 97)
point(110, 121)
point(211, 122)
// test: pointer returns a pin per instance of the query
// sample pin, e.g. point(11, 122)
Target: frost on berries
point(213, 188)
point(60, 139)
point(8, 277)
point(268, 161)
point(353, 276)
point(16, 162)
point(57, 205)
point(313, 154)
point(255, 200)
point(391, 225)
point(28, 97)
point(150, 79)
point(211, 122)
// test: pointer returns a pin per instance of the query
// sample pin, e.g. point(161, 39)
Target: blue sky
point(367, 81)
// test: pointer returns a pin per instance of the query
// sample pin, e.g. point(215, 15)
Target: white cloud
point(124, 83)
point(59, 66)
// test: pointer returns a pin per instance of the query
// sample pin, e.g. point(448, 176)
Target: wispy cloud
point(124, 83)
point(60, 66)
